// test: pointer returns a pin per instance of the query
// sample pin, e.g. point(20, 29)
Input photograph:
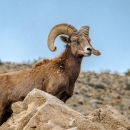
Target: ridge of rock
point(42, 111)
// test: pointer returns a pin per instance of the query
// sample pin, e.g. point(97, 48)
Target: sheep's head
point(79, 41)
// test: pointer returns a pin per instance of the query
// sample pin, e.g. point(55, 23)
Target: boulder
point(42, 111)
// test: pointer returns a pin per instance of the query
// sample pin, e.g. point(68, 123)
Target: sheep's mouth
point(87, 54)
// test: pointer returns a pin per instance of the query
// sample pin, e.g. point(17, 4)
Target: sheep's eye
point(76, 41)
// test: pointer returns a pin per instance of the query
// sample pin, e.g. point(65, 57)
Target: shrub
point(1, 62)
point(128, 72)
point(127, 86)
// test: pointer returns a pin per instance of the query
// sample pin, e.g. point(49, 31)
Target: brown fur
point(56, 76)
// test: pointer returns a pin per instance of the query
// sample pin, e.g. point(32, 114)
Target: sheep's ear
point(65, 39)
point(96, 52)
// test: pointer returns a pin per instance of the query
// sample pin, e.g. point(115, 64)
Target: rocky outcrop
point(42, 111)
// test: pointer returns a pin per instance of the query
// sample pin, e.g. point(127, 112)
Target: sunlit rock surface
point(42, 111)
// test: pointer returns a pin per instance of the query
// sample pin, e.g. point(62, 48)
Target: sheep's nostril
point(89, 49)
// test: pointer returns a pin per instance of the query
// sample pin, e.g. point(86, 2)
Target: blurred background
point(24, 28)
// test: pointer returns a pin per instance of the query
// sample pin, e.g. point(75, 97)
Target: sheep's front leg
point(60, 89)
point(2, 111)
point(64, 96)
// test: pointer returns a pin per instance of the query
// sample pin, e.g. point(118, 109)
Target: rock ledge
point(42, 111)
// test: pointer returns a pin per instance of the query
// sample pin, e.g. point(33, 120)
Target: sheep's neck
point(72, 64)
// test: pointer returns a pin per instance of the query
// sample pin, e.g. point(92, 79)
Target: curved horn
point(85, 30)
point(57, 30)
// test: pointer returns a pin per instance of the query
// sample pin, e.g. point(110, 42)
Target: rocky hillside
point(92, 90)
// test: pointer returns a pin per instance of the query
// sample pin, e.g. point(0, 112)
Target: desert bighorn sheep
point(56, 76)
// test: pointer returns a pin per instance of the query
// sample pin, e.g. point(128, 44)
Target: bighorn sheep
point(56, 76)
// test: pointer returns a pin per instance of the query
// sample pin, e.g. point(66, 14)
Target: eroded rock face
point(42, 111)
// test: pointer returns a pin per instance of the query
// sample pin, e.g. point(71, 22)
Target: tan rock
point(42, 111)
point(109, 119)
